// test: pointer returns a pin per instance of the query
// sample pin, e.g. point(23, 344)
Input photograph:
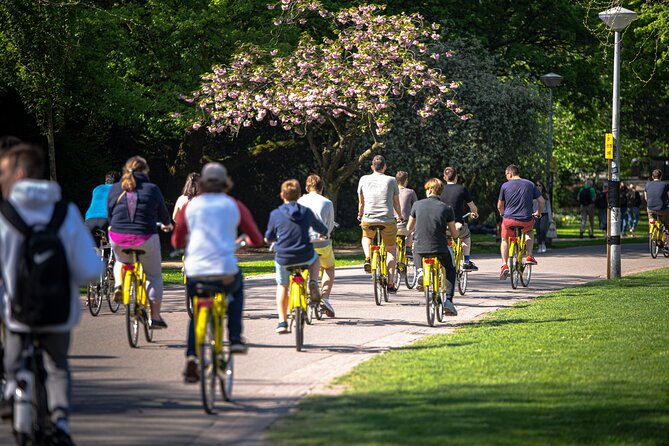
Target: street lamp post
point(616, 19)
point(551, 80)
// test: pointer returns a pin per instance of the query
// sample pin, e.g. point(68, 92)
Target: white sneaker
point(419, 279)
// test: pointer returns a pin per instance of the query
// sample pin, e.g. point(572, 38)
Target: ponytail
point(134, 164)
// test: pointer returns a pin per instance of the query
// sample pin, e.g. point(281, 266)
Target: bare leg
point(529, 242)
point(327, 281)
point(504, 250)
point(155, 308)
point(282, 301)
point(314, 269)
point(466, 245)
point(391, 251)
point(365, 246)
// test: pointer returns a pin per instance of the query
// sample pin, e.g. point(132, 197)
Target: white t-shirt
point(183, 199)
point(212, 221)
point(324, 211)
point(378, 191)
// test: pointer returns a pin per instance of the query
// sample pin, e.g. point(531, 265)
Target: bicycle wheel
point(430, 305)
point(131, 313)
point(309, 319)
point(384, 285)
point(208, 376)
point(440, 306)
point(299, 320)
point(378, 286)
point(109, 290)
point(513, 271)
point(189, 304)
point(463, 279)
point(94, 298)
point(410, 274)
point(226, 371)
point(652, 244)
point(148, 330)
point(397, 278)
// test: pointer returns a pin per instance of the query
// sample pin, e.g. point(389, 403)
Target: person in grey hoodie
point(288, 228)
point(21, 170)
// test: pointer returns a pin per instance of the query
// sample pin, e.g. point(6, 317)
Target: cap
point(215, 173)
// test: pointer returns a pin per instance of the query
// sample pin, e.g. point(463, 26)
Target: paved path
point(126, 396)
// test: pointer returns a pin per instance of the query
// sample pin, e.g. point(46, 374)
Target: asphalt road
point(125, 396)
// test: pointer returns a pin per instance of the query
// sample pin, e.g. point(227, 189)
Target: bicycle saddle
point(515, 227)
point(297, 268)
point(132, 250)
point(375, 227)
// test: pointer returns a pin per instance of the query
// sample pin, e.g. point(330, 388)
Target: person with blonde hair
point(135, 207)
point(324, 212)
point(431, 218)
point(288, 227)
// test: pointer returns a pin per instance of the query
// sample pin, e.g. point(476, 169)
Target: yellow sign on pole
point(608, 147)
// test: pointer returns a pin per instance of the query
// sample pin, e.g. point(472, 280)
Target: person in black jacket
point(135, 207)
point(633, 205)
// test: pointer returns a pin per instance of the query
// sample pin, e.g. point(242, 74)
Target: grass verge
point(586, 365)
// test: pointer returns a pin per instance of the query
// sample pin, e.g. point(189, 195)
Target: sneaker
point(367, 266)
point(314, 291)
point(327, 308)
point(60, 437)
point(449, 308)
point(504, 272)
point(118, 295)
point(530, 261)
point(158, 324)
point(239, 347)
point(392, 289)
point(419, 280)
point(592, 236)
point(191, 373)
point(282, 328)
point(469, 266)
point(580, 236)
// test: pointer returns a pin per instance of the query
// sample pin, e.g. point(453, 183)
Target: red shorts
point(527, 226)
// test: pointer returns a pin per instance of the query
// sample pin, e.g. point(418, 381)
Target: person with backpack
point(47, 253)
point(601, 203)
point(586, 201)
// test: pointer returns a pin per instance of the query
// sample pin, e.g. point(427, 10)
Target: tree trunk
point(50, 136)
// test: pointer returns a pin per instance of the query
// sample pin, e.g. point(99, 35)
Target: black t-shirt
point(432, 217)
point(456, 196)
point(656, 191)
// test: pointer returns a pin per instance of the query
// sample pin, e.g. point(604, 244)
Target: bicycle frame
point(297, 291)
point(401, 250)
point(218, 307)
point(433, 271)
point(135, 269)
point(377, 249)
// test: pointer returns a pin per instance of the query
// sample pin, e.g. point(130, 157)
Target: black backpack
point(584, 196)
point(42, 296)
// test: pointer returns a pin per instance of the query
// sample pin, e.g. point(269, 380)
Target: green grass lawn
point(586, 365)
point(172, 276)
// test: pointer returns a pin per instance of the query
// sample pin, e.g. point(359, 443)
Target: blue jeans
point(634, 217)
point(235, 296)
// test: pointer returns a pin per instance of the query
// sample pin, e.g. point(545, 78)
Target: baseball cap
point(214, 173)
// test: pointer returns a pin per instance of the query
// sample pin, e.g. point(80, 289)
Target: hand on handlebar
point(166, 228)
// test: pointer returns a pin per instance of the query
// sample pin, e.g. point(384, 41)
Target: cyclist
point(288, 228)
point(456, 196)
point(207, 227)
point(96, 215)
point(432, 219)
point(515, 205)
point(187, 193)
point(586, 199)
point(324, 211)
point(134, 205)
point(407, 199)
point(657, 197)
point(378, 196)
point(21, 169)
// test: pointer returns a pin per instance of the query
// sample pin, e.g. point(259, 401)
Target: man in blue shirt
point(96, 215)
point(515, 206)
point(657, 196)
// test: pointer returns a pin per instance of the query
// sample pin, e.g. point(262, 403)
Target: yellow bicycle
point(298, 302)
point(519, 270)
point(135, 298)
point(461, 274)
point(657, 237)
point(434, 288)
point(215, 360)
point(406, 268)
point(379, 266)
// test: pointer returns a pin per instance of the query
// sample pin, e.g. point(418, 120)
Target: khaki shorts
point(326, 254)
point(388, 233)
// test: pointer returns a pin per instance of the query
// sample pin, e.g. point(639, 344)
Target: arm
point(270, 234)
point(473, 209)
point(396, 207)
point(249, 226)
point(541, 202)
point(500, 207)
point(180, 233)
point(453, 230)
point(163, 214)
point(412, 224)
point(361, 205)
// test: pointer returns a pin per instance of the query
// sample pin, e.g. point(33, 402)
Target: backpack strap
point(59, 214)
point(10, 213)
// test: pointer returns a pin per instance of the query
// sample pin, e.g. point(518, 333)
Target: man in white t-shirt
point(324, 211)
point(379, 201)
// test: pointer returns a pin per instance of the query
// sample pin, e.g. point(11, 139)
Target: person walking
point(135, 206)
point(633, 205)
point(515, 205)
point(624, 209)
point(586, 201)
point(546, 218)
point(378, 197)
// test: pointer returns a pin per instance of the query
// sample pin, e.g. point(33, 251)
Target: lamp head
point(618, 18)
point(551, 80)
